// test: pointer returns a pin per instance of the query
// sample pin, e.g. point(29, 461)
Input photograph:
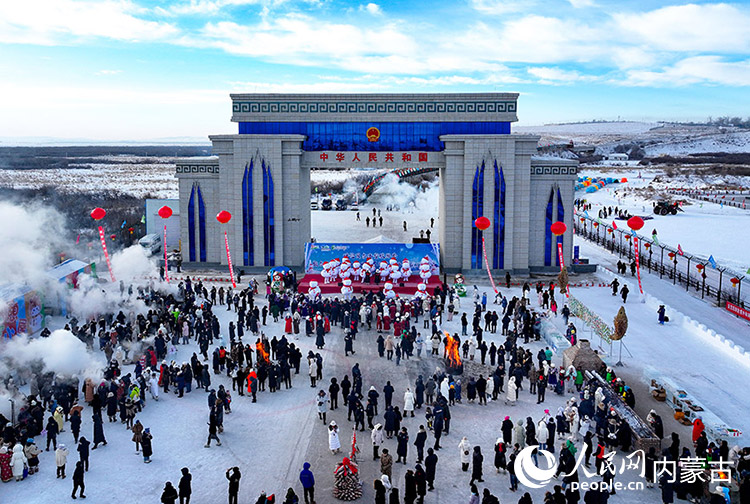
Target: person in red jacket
point(252, 383)
point(698, 428)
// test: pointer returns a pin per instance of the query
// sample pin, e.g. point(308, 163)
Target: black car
point(327, 204)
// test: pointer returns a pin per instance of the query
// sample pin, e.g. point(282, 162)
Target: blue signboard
point(318, 253)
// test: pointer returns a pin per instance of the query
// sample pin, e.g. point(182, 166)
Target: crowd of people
point(417, 415)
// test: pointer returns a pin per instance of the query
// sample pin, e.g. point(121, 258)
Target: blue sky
point(150, 69)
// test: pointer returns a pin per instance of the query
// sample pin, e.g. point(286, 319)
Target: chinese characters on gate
point(373, 157)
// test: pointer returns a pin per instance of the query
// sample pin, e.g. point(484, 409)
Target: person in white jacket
point(408, 402)
point(334, 444)
point(542, 434)
point(377, 440)
point(153, 386)
point(18, 461)
point(472, 348)
point(61, 459)
point(464, 451)
point(510, 393)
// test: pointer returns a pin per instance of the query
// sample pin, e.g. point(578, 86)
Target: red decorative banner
point(562, 265)
point(492, 281)
point(229, 260)
point(166, 264)
point(106, 254)
point(637, 262)
point(738, 310)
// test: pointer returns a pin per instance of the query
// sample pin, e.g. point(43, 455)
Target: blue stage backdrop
point(318, 253)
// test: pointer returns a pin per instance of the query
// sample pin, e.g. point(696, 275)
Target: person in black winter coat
point(83, 452)
point(78, 480)
point(421, 480)
point(430, 464)
point(420, 442)
point(98, 431)
point(52, 431)
point(233, 475)
point(403, 445)
point(410, 487)
point(75, 424)
point(476, 465)
point(169, 495)
point(185, 486)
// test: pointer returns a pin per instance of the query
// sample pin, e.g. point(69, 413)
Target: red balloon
point(635, 223)
point(223, 217)
point(165, 212)
point(98, 213)
point(558, 228)
point(482, 223)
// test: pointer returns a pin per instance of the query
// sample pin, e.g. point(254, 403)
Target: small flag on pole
point(614, 225)
point(143, 219)
point(679, 249)
point(122, 226)
point(78, 239)
point(656, 240)
point(712, 261)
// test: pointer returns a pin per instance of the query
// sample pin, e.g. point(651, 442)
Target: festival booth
point(68, 273)
point(21, 309)
point(399, 267)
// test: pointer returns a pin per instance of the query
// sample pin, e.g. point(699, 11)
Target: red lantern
point(482, 223)
point(131, 230)
point(558, 228)
point(596, 224)
point(582, 219)
point(699, 266)
point(165, 212)
point(671, 255)
point(609, 230)
point(735, 281)
point(223, 217)
point(627, 237)
point(98, 213)
point(113, 237)
point(635, 223)
point(647, 245)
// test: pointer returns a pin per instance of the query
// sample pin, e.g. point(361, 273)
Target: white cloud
point(49, 22)
point(556, 75)
point(579, 4)
point(108, 72)
point(694, 70)
point(704, 28)
point(371, 8)
point(499, 7)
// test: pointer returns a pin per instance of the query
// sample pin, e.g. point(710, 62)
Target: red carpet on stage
point(409, 288)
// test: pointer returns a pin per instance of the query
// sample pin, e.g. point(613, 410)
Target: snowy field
point(140, 178)
point(703, 229)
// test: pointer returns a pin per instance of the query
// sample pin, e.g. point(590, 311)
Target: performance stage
point(404, 289)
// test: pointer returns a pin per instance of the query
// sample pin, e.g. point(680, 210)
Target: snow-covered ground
point(410, 205)
point(703, 228)
point(656, 138)
point(156, 180)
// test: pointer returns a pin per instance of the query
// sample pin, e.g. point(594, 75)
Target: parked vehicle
point(313, 205)
point(341, 204)
point(665, 208)
point(151, 243)
point(327, 204)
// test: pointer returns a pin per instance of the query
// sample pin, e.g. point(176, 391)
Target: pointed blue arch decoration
point(202, 225)
point(201, 238)
point(498, 230)
point(477, 208)
point(561, 218)
point(191, 225)
point(248, 249)
point(548, 231)
point(269, 241)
